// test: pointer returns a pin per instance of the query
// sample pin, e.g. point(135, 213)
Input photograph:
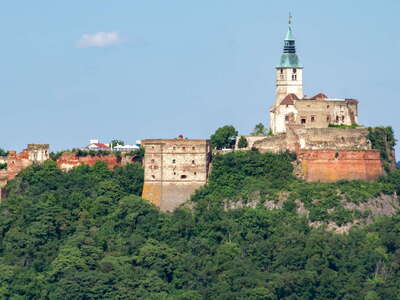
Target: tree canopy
point(259, 129)
point(86, 234)
point(116, 142)
point(224, 137)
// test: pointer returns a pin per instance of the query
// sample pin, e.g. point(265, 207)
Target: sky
point(72, 70)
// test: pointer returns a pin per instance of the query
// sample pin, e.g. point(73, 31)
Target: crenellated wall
point(334, 165)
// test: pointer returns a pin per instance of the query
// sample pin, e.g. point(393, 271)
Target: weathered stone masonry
point(34, 153)
point(174, 169)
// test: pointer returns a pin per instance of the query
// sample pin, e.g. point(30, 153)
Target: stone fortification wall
point(17, 162)
point(173, 170)
point(328, 138)
point(38, 152)
point(68, 160)
point(300, 138)
point(276, 143)
point(334, 165)
point(325, 154)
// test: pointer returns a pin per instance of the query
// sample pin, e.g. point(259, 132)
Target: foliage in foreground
point(86, 234)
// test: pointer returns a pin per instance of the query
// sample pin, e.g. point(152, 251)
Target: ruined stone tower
point(173, 170)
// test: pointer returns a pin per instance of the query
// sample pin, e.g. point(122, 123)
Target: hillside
point(251, 179)
point(86, 234)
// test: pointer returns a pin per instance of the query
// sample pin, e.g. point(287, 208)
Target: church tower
point(289, 73)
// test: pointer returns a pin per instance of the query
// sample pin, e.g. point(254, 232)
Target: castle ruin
point(174, 169)
point(322, 131)
point(34, 153)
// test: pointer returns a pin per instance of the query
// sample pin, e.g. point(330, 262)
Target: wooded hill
point(86, 234)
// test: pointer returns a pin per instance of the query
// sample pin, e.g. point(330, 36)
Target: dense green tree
point(259, 129)
point(116, 142)
point(224, 137)
point(242, 142)
point(86, 234)
point(3, 152)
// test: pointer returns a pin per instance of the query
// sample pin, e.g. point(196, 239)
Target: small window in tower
point(152, 161)
point(303, 120)
point(193, 148)
point(286, 118)
point(294, 71)
point(183, 148)
point(327, 106)
point(173, 161)
point(312, 118)
point(195, 173)
point(342, 118)
point(337, 118)
point(328, 118)
point(294, 77)
point(183, 176)
point(174, 173)
point(174, 148)
point(192, 162)
point(152, 176)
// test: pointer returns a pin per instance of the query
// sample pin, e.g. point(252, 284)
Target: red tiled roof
point(101, 146)
point(319, 96)
point(288, 100)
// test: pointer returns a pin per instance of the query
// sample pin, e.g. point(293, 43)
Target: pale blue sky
point(184, 67)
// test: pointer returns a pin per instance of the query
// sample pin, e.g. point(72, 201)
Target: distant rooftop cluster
point(95, 145)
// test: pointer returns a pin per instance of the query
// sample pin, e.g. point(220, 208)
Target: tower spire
point(289, 57)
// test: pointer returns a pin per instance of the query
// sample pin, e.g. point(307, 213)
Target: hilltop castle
point(323, 132)
point(291, 106)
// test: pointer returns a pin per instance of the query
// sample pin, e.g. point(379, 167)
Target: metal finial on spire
point(290, 19)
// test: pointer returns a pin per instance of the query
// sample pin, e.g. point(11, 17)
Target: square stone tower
point(174, 169)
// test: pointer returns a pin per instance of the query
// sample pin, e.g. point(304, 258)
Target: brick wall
point(68, 160)
point(330, 165)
